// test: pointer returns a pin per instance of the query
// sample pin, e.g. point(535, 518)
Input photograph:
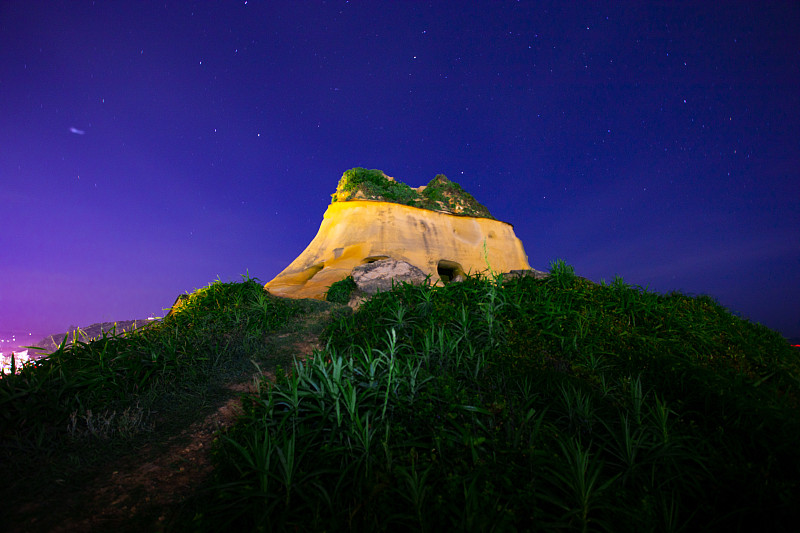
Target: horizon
point(8, 343)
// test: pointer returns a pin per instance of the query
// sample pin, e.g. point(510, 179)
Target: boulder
point(379, 275)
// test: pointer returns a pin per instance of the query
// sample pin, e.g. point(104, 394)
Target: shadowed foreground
point(526, 404)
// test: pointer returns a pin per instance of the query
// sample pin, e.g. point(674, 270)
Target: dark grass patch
point(90, 403)
point(529, 404)
point(533, 404)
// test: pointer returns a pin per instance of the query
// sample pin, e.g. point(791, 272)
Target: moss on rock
point(440, 194)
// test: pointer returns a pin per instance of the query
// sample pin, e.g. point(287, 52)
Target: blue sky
point(149, 148)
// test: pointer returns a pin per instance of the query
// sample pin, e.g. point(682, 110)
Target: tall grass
point(522, 405)
point(109, 385)
point(486, 405)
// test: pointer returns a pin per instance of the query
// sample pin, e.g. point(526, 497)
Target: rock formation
point(438, 228)
point(379, 275)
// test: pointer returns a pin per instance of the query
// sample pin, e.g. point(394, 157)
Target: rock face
point(438, 229)
point(379, 275)
point(358, 232)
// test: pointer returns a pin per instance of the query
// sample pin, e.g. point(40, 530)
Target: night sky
point(150, 148)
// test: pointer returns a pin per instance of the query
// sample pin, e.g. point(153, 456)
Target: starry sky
point(150, 148)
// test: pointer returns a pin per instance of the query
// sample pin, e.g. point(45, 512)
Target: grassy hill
point(551, 404)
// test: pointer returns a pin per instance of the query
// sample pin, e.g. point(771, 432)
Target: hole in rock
point(448, 270)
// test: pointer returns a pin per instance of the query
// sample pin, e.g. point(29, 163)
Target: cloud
point(77, 131)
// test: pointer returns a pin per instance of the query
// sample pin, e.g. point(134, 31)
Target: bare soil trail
point(149, 488)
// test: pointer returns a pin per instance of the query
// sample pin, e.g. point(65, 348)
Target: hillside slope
point(520, 404)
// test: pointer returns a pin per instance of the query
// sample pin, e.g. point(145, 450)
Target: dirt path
point(147, 488)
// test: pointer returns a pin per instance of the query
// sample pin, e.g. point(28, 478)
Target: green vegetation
point(527, 404)
point(88, 405)
point(210, 329)
point(340, 291)
point(440, 194)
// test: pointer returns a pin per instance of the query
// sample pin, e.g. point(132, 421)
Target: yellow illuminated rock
point(356, 232)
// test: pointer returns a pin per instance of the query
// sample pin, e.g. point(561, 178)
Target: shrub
point(340, 291)
point(374, 185)
point(440, 193)
point(450, 193)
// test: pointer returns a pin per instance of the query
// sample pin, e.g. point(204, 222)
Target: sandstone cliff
point(444, 243)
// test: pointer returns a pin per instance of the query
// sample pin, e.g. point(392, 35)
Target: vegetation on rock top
point(440, 194)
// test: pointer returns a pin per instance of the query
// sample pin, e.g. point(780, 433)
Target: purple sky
point(149, 148)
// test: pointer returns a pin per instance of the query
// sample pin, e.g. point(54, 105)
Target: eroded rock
point(379, 275)
point(443, 245)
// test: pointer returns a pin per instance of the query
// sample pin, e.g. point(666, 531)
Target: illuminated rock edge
point(360, 231)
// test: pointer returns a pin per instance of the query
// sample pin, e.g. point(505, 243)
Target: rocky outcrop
point(379, 275)
point(442, 244)
point(530, 273)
